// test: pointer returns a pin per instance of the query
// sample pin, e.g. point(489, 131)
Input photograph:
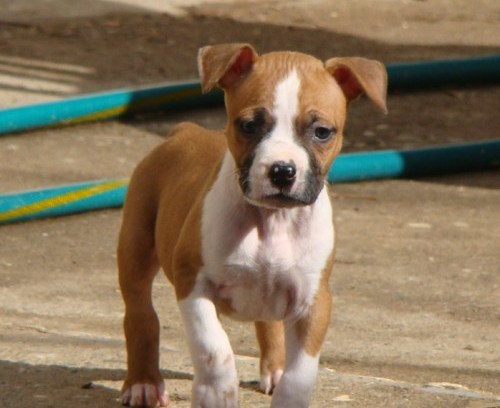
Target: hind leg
point(270, 336)
point(138, 265)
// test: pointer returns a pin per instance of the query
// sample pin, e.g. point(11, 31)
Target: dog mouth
point(281, 199)
point(285, 200)
point(286, 197)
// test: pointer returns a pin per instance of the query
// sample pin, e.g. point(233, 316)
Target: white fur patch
point(281, 144)
point(286, 106)
point(266, 263)
point(297, 382)
point(216, 381)
point(270, 380)
point(140, 395)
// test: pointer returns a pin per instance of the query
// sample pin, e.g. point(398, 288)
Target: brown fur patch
point(271, 340)
point(168, 181)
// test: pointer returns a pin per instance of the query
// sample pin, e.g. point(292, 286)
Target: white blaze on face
point(286, 107)
point(281, 144)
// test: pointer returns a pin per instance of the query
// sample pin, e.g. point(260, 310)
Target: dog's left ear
point(360, 75)
point(224, 64)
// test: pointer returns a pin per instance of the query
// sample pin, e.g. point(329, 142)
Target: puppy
point(240, 221)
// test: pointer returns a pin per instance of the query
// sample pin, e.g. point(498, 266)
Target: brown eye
point(254, 124)
point(322, 133)
point(248, 127)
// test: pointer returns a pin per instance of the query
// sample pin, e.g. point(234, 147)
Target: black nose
point(282, 174)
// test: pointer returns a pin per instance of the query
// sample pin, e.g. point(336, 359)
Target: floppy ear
point(224, 64)
point(360, 75)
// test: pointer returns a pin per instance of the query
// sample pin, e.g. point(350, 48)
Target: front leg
point(303, 339)
point(215, 382)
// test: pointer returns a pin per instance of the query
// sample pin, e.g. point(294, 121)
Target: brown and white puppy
point(241, 223)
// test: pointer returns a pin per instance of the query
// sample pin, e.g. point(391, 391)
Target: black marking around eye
point(256, 125)
point(314, 179)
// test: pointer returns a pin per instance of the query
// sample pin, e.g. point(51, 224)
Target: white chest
point(266, 264)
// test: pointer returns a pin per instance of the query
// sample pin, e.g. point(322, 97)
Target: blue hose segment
point(365, 166)
point(62, 200)
point(93, 195)
point(180, 95)
point(430, 74)
point(416, 162)
point(106, 105)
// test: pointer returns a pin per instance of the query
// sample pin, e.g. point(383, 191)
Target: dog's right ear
point(224, 64)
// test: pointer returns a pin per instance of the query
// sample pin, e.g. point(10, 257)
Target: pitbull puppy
point(240, 221)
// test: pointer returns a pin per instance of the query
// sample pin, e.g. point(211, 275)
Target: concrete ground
point(416, 284)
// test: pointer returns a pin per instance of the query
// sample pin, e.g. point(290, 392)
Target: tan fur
point(157, 221)
point(359, 75)
point(215, 63)
point(271, 340)
point(158, 199)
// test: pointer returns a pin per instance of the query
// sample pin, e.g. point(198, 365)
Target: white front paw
point(215, 395)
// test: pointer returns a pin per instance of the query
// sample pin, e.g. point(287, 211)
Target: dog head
point(286, 113)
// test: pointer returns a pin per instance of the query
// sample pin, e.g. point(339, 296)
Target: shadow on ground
point(34, 385)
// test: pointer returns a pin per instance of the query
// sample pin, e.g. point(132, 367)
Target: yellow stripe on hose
point(134, 106)
point(60, 200)
point(101, 115)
